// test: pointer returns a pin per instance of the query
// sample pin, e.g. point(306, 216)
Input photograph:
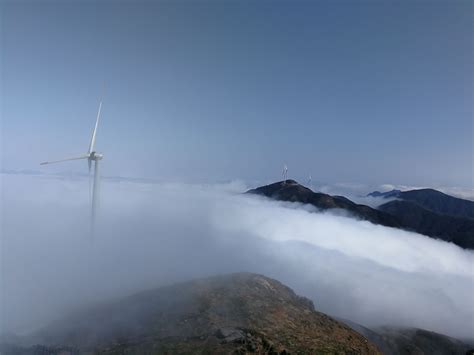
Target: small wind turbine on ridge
point(91, 156)
point(285, 173)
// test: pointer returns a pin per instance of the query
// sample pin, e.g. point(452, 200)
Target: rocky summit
point(231, 314)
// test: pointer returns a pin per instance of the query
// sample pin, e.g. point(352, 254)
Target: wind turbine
point(284, 173)
point(91, 156)
point(310, 182)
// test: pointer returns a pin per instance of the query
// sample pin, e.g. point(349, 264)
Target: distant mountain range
point(291, 191)
point(432, 200)
point(425, 211)
point(240, 313)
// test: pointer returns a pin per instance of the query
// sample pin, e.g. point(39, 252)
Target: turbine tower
point(284, 173)
point(91, 156)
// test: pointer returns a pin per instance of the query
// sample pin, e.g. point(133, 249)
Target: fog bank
point(153, 234)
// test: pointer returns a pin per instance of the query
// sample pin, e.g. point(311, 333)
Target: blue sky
point(368, 91)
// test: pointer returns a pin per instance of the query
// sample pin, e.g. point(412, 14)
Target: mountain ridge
point(433, 200)
point(412, 216)
point(408, 211)
point(292, 191)
point(225, 314)
point(398, 340)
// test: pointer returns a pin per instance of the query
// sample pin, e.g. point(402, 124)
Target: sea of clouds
point(152, 234)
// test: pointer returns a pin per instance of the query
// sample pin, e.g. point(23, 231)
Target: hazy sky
point(372, 92)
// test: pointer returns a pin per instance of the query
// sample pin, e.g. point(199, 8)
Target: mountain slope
point(434, 201)
point(235, 313)
point(293, 192)
point(412, 216)
point(405, 214)
point(398, 341)
point(440, 203)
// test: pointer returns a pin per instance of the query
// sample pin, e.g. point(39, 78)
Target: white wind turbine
point(91, 156)
point(284, 173)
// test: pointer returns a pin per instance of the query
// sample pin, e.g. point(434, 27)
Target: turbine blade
point(92, 144)
point(84, 156)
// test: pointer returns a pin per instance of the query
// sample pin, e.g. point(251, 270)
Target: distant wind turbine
point(91, 156)
point(284, 173)
point(310, 182)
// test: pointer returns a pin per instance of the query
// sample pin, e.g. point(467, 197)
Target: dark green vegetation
point(426, 211)
point(232, 314)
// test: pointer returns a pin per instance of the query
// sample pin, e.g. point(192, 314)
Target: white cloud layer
point(153, 234)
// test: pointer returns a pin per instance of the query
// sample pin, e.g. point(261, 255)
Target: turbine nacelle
point(95, 156)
